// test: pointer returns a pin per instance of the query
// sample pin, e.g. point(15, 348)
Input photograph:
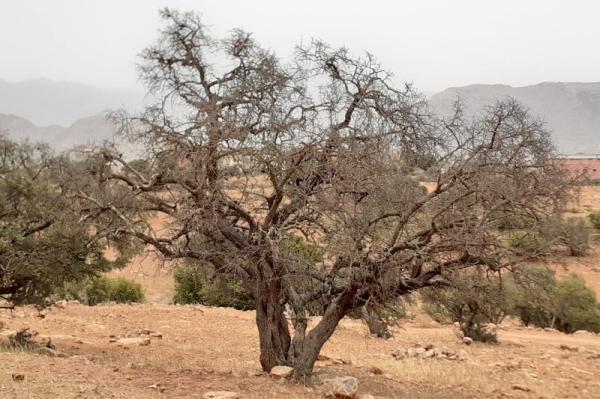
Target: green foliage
point(42, 241)
point(594, 218)
point(548, 233)
point(95, 290)
point(566, 304)
point(527, 242)
point(576, 306)
point(195, 284)
point(572, 233)
point(474, 298)
point(514, 222)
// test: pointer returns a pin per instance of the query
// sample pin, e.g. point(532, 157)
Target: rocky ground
point(168, 351)
point(157, 350)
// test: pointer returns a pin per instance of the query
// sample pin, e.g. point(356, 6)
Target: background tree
point(320, 148)
point(42, 242)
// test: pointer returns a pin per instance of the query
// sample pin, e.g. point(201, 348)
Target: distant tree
point(321, 146)
point(42, 242)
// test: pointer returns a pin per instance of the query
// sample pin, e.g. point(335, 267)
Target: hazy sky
point(433, 43)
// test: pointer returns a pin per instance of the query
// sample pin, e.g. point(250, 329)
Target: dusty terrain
point(205, 349)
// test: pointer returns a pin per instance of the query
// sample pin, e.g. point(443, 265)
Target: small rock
point(569, 348)
point(419, 351)
point(18, 377)
point(521, 388)
point(428, 354)
point(375, 370)
point(467, 340)
point(281, 371)
point(159, 387)
point(341, 387)
point(141, 341)
point(582, 332)
point(366, 396)
point(49, 352)
point(429, 347)
point(220, 395)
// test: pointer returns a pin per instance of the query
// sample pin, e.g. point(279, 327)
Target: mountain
point(571, 110)
point(83, 131)
point(46, 102)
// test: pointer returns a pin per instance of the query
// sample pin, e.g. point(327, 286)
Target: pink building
point(588, 164)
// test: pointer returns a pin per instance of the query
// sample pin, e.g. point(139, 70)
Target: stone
point(220, 395)
point(50, 352)
point(582, 332)
point(428, 354)
point(569, 348)
point(18, 377)
point(141, 341)
point(467, 340)
point(419, 351)
point(159, 387)
point(282, 371)
point(341, 387)
point(375, 370)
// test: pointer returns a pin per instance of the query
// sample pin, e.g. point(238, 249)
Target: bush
point(473, 299)
point(566, 304)
point(572, 233)
point(194, 284)
point(528, 242)
point(539, 240)
point(594, 218)
point(95, 290)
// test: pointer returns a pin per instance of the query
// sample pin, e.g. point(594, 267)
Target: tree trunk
point(306, 347)
point(273, 331)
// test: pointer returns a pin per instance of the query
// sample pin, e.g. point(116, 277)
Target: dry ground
point(204, 349)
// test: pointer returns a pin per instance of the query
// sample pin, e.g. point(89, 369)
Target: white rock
point(467, 340)
point(141, 341)
point(220, 395)
point(281, 371)
point(341, 387)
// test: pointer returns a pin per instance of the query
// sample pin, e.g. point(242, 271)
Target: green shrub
point(576, 306)
point(527, 242)
point(594, 218)
point(95, 290)
point(566, 304)
point(514, 222)
point(572, 233)
point(194, 284)
point(474, 299)
point(122, 290)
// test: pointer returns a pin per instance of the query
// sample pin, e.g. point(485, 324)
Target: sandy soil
point(204, 349)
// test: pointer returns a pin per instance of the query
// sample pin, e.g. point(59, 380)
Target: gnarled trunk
point(273, 331)
point(307, 346)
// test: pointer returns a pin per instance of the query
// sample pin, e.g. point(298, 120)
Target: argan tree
point(42, 242)
point(245, 151)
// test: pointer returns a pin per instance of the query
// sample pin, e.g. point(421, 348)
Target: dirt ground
point(206, 349)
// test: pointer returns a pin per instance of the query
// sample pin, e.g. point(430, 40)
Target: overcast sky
point(432, 43)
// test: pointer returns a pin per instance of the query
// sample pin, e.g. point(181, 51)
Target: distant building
point(580, 163)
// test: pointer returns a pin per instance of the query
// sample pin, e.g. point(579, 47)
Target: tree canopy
point(42, 240)
point(245, 151)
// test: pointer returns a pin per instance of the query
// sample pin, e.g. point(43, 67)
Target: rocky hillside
point(571, 110)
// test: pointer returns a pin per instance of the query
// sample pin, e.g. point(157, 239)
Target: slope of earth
point(205, 349)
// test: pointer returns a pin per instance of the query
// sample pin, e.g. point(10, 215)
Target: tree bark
point(307, 347)
point(273, 331)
